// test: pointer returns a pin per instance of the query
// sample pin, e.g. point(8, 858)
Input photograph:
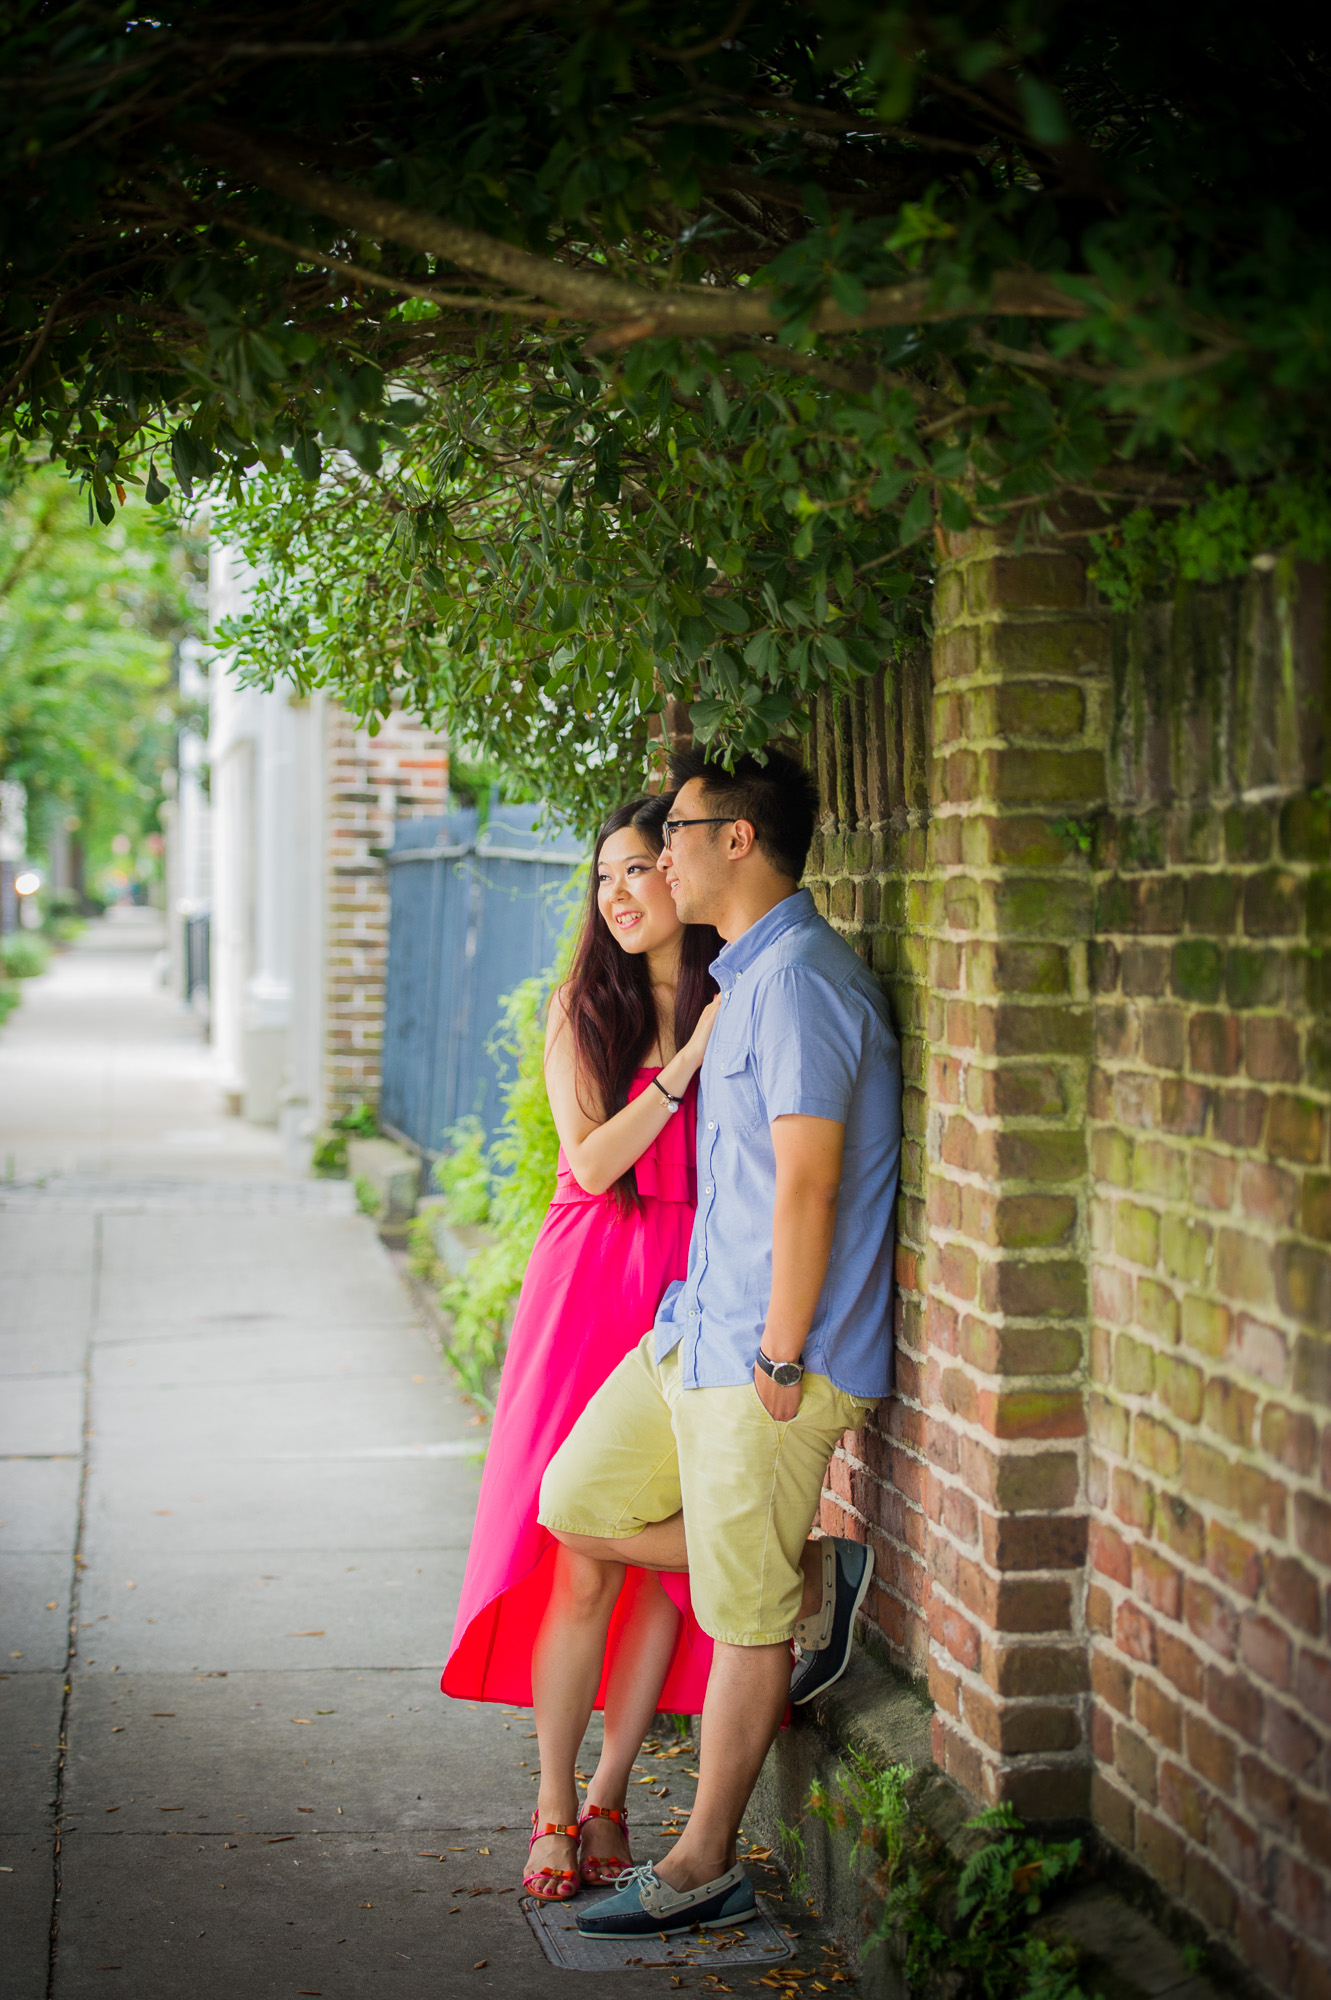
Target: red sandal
point(548, 1885)
point(597, 1872)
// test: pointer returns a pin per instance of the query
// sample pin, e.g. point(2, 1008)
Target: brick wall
point(1092, 864)
point(1211, 1218)
point(373, 781)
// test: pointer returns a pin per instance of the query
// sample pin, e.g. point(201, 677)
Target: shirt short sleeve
point(808, 1042)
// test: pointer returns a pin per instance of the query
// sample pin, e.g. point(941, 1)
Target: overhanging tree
point(557, 359)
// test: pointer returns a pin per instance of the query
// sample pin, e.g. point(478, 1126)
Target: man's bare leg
point(747, 1691)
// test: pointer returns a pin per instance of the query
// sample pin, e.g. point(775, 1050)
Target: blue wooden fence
point(471, 915)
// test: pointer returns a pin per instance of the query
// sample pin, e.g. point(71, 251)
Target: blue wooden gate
point(470, 917)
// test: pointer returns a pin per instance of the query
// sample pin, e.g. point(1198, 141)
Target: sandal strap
point(619, 1814)
point(540, 1832)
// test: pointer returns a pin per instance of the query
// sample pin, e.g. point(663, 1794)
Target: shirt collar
point(741, 952)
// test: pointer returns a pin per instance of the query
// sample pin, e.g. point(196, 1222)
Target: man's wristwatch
point(784, 1373)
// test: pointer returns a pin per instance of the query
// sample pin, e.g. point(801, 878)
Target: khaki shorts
point(749, 1486)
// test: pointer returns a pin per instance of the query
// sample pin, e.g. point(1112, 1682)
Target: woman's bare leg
point(567, 1661)
point(643, 1652)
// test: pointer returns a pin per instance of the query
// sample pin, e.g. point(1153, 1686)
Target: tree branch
point(628, 312)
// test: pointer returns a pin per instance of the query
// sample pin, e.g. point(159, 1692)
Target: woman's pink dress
point(591, 1291)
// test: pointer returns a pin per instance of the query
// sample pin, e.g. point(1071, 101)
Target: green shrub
point(328, 1161)
point(518, 1184)
point(462, 1174)
point(9, 999)
point(367, 1196)
point(23, 954)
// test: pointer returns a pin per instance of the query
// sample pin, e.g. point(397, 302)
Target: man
point(706, 1449)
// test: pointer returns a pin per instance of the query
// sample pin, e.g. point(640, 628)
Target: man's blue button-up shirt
point(804, 1030)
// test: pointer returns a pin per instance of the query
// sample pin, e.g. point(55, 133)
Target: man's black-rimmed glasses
point(670, 827)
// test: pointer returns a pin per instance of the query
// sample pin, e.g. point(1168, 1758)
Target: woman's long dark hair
point(608, 995)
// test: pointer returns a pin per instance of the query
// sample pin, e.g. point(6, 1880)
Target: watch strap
point(769, 1367)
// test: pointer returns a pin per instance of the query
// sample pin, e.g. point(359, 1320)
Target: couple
point(676, 1382)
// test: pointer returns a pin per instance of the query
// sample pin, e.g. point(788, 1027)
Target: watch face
point(786, 1375)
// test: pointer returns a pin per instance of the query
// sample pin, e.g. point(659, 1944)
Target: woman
point(624, 1043)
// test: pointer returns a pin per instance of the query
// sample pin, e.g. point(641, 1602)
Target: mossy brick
point(1305, 827)
point(1041, 907)
point(1038, 708)
point(1315, 1207)
point(841, 903)
point(1116, 905)
point(1020, 1483)
point(1033, 1413)
point(1137, 1234)
point(1253, 977)
point(1210, 903)
point(1142, 840)
point(1271, 1049)
point(1195, 836)
point(1103, 965)
point(1023, 776)
point(1030, 582)
point(1206, 1326)
point(1155, 1445)
point(1157, 1310)
point(1303, 1283)
point(1230, 1411)
point(1048, 1288)
point(1054, 646)
point(961, 903)
point(1179, 1385)
point(1289, 1436)
point(1017, 840)
point(1108, 1425)
point(1311, 980)
point(1030, 1029)
point(1112, 1157)
point(1295, 1128)
point(1272, 904)
point(1247, 833)
point(859, 850)
point(1180, 1527)
point(1144, 970)
point(1186, 1247)
point(1039, 1156)
point(1163, 1037)
point(1239, 1116)
point(1010, 967)
point(1160, 1170)
point(1197, 970)
point(1133, 1499)
point(1319, 904)
point(956, 653)
point(1134, 1366)
point(1034, 1221)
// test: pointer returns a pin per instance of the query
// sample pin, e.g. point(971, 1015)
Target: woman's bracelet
point(673, 1102)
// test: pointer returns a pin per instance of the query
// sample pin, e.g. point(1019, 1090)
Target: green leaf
point(917, 515)
point(727, 613)
point(1045, 120)
point(849, 294)
point(309, 458)
point(155, 492)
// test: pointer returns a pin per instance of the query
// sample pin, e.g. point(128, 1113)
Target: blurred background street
point(235, 1498)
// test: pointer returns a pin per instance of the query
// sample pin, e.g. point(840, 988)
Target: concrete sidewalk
point(235, 1498)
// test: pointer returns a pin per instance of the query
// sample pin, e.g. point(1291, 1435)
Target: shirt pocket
point(741, 1099)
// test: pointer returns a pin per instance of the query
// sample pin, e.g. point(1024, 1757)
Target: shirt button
point(708, 1188)
point(711, 1125)
point(693, 1312)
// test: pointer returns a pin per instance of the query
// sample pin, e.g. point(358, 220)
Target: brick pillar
point(373, 781)
point(1020, 659)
